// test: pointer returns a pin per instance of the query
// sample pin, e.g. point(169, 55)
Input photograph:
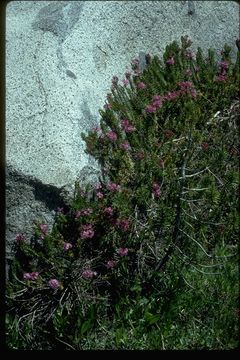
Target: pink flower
point(185, 85)
point(157, 98)
point(99, 195)
point(54, 284)
point(157, 101)
point(87, 232)
point(111, 264)
point(107, 106)
point(170, 61)
point(98, 186)
point(43, 228)
point(172, 95)
point(19, 238)
point(127, 127)
point(223, 64)
point(123, 224)
point(125, 82)
point(108, 211)
point(30, 276)
point(122, 251)
point(141, 85)
point(113, 187)
point(156, 190)
point(111, 135)
point(193, 93)
point(150, 109)
point(88, 274)
point(130, 129)
point(67, 246)
point(221, 78)
point(125, 145)
point(60, 210)
point(78, 214)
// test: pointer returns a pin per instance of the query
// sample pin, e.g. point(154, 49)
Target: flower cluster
point(156, 190)
point(54, 284)
point(31, 276)
point(88, 274)
point(127, 127)
point(87, 232)
point(113, 187)
point(155, 104)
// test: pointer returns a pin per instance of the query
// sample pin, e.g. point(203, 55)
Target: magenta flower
point(223, 64)
point(98, 186)
point(122, 252)
point(157, 98)
point(125, 145)
point(99, 195)
point(185, 85)
point(78, 213)
point(43, 228)
point(141, 85)
point(60, 210)
point(170, 61)
point(19, 238)
point(150, 109)
point(88, 274)
point(157, 104)
point(108, 211)
point(123, 224)
point(111, 264)
point(113, 187)
point(87, 232)
point(127, 127)
point(111, 135)
point(31, 276)
point(193, 93)
point(172, 95)
point(221, 78)
point(54, 284)
point(156, 190)
point(67, 246)
point(125, 82)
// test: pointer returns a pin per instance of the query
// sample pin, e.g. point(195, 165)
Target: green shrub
point(164, 213)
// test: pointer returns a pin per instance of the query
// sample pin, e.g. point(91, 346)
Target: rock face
point(60, 58)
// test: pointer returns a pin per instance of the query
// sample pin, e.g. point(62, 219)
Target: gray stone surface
point(60, 58)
